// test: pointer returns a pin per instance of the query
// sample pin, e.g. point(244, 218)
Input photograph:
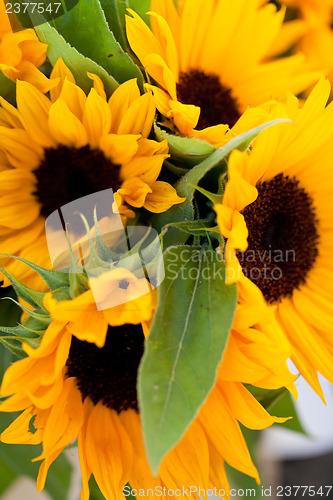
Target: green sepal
point(20, 331)
point(62, 294)
point(200, 227)
point(103, 251)
point(7, 89)
point(37, 315)
point(151, 251)
point(32, 297)
point(175, 169)
point(77, 278)
point(95, 260)
point(13, 348)
point(189, 150)
point(78, 63)
point(53, 279)
point(214, 198)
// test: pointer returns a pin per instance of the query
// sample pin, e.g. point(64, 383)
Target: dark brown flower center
point(206, 91)
point(66, 174)
point(283, 238)
point(108, 374)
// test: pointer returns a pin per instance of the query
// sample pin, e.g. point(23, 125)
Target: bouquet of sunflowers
point(166, 235)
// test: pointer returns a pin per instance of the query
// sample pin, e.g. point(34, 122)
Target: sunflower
point(21, 54)
point(54, 151)
point(310, 33)
point(317, 40)
point(277, 217)
point(208, 60)
point(321, 7)
point(80, 382)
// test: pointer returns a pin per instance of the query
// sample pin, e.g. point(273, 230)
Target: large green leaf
point(185, 345)
point(141, 7)
point(77, 63)
point(115, 12)
point(85, 28)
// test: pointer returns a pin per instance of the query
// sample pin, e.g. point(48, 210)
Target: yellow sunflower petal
point(119, 149)
point(96, 118)
point(98, 85)
point(121, 99)
point(74, 98)
point(60, 72)
point(134, 191)
point(68, 310)
point(34, 109)
point(65, 127)
point(139, 117)
point(162, 197)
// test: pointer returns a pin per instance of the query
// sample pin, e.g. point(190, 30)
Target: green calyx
point(72, 281)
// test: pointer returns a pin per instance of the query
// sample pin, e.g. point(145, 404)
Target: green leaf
point(267, 397)
point(285, 407)
point(185, 345)
point(95, 492)
point(85, 28)
point(79, 64)
point(115, 11)
point(175, 169)
point(200, 227)
point(280, 404)
point(188, 149)
point(7, 88)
